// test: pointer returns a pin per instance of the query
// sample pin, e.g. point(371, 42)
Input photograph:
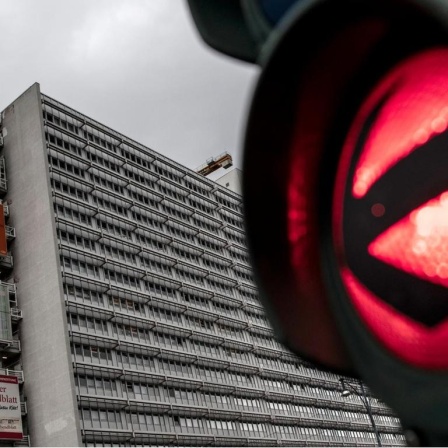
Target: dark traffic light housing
point(346, 195)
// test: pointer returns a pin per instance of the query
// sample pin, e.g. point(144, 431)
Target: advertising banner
point(10, 412)
point(3, 243)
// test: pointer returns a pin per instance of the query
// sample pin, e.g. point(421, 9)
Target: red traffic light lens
point(390, 215)
point(418, 244)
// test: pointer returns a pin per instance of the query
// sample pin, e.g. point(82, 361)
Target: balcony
point(10, 233)
point(9, 345)
point(16, 314)
point(6, 262)
point(24, 442)
point(3, 181)
point(12, 289)
point(6, 210)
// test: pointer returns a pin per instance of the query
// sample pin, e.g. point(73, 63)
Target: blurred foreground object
point(346, 187)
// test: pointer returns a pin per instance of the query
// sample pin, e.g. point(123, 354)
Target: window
point(205, 348)
point(69, 190)
point(224, 308)
point(132, 332)
point(233, 220)
point(110, 205)
point(102, 418)
point(208, 243)
point(135, 360)
point(202, 206)
point(180, 232)
point(63, 141)
point(216, 266)
point(107, 183)
point(66, 166)
point(176, 211)
point(79, 266)
point(96, 158)
point(220, 286)
point(199, 323)
point(173, 192)
point(89, 323)
point(92, 385)
point(175, 367)
point(146, 218)
point(169, 340)
point(235, 237)
point(249, 295)
point(83, 294)
point(229, 203)
point(144, 198)
point(151, 242)
point(126, 305)
point(161, 314)
point(92, 354)
point(195, 299)
point(167, 172)
point(185, 254)
point(140, 178)
point(158, 289)
point(76, 240)
point(212, 374)
point(193, 185)
point(74, 215)
point(119, 254)
point(190, 276)
point(114, 229)
point(156, 265)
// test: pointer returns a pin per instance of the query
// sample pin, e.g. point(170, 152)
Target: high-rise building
point(140, 323)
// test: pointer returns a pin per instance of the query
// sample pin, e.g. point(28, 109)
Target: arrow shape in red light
point(418, 243)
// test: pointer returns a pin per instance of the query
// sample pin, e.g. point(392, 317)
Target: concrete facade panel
point(52, 414)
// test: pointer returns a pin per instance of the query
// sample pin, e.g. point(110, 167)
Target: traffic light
point(346, 194)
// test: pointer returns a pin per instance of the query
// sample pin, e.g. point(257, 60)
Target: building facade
point(137, 317)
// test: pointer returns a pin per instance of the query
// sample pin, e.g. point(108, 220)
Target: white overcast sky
point(137, 66)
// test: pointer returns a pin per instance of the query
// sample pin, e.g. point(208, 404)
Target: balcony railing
point(24, 442)
point(10, 233)
point(9, 345)
point(6, 261)
point(3, 181)
point(12, 288)
point(16, 314)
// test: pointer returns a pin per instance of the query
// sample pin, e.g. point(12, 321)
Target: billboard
point(10, 412)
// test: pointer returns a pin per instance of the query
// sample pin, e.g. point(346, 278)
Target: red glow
point(308, 321)
point(418, 244)
point(415, 111)
point(410, 340)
